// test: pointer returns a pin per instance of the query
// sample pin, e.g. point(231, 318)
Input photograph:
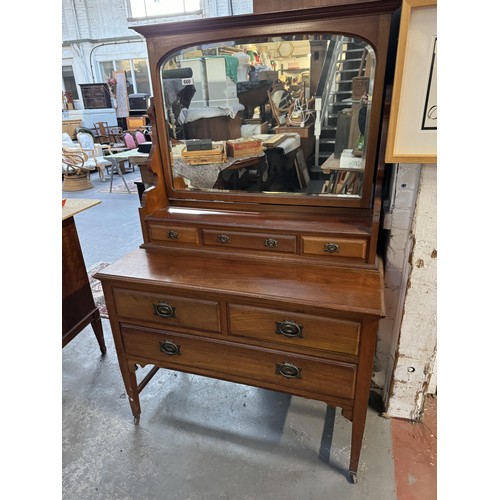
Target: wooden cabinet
point(70, 127)
point(272, 289)
point(95, 95)
point(78, 306)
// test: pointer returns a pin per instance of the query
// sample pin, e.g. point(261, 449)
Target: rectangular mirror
point(284, 116)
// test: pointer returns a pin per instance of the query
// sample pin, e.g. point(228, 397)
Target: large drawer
point(295, 329)
point(173, 233)
point(253, 241)
point(335, 248)
point(168, 310)
point(218, 358)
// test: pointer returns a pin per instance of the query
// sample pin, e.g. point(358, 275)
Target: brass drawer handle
point(288, 370)
point(164, 310)
point(173, 235)
point(222, 238)
point(270, 243)
point(170, 348)
point(332, 247)
point(289, 329)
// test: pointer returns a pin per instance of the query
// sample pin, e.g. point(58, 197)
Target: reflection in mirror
point(282, 115)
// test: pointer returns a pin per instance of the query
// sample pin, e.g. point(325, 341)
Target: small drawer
point(335, 247)
point(301, 330)
point(167, 310)
point(172, 234)
point(240, 364)
point(253, 241)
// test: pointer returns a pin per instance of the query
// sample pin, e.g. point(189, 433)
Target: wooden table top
point(331, 164)
point(323, 287)
point(76, 205)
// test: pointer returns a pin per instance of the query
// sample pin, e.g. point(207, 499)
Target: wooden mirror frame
point(369, 21)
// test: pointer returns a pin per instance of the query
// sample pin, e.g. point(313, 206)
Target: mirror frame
point(369, 21)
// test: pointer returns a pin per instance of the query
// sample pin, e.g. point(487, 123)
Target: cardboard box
point(348, 160)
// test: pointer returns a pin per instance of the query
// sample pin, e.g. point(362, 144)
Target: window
point(69, 82)
point(141, 73)
point(136, 71)
point(155, 8)
point(124, 65)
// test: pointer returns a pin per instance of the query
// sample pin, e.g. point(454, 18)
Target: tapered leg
point(367, 350)
point(358, 429)
point(132, 389)
point(98, 332)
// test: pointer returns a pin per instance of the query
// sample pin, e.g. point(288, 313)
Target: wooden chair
point(106, 134)
point(279, 101)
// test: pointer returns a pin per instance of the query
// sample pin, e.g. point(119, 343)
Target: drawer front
point(254, 241)
point(168, 310)
point(295, 329)
point(199, 355)
point(172, 233)
point(335, 247)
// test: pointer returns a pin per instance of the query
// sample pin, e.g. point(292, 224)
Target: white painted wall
point(99, 30)
point(397, 223)
point(406, 350)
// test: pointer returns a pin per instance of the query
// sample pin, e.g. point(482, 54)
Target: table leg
point(96, 324)
point(116, 166)
point(132, 389)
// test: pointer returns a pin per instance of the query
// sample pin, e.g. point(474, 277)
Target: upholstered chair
point(94, 153)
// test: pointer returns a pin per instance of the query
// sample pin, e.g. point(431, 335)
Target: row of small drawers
point(352, 248)
point(245, 322)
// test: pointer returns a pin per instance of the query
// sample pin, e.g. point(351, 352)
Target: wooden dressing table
point(278, 290)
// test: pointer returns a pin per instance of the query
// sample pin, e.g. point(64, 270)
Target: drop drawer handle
point(332, 247)
point(222, 238)
point(164, 310)
point(270, 243)
point(288, 370)
point(173, 235)
point(289, 328)
point(170, 348)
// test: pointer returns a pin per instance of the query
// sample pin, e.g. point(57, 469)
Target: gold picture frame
point(412, 132)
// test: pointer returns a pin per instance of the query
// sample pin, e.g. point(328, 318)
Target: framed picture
point(412, 133)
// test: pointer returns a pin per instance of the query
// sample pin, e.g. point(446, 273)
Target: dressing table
point(281, 290)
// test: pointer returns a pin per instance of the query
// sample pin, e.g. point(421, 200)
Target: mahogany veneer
point(277, 291)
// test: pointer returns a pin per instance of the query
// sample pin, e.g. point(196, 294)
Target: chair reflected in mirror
point(280, 101)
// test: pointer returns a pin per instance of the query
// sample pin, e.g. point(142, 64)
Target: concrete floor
point(198, 438)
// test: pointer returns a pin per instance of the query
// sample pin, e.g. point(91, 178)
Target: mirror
point(281, 115)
